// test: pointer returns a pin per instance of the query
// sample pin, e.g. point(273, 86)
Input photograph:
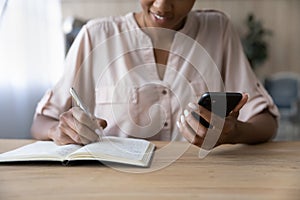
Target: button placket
point(134, 96)
point(165, 102)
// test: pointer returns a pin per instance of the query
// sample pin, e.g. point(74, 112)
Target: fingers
point(193, 130)
point(77, 127)
point(59, 137)
point(102, 123)
point(214, 121)
point(235, 112)
point(84, 118)
point(188, 133)
point(77, 131)
point(197, 127)
point(67, 133)
point(241, 103)
point(94, 124)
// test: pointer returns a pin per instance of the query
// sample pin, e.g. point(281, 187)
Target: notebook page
point(132, 149)
point(40, 149)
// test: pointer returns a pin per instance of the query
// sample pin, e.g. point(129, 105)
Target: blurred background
point(36, 34)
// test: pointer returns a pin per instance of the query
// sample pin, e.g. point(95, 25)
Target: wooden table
point(266, 171)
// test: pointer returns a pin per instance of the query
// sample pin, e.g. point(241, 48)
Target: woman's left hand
point(224, 128)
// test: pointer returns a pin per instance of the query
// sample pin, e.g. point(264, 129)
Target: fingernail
point(178, 125)
point(193, 106)
point(186, 113)
point(246, 93)
point(99, 132)
point(182, 119)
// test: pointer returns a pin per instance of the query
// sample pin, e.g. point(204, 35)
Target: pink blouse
point(112, 66)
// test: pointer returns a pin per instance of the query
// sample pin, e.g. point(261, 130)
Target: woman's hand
point(195, 132)
point(76, 127)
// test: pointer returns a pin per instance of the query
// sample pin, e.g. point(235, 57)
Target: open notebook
point(129, 151)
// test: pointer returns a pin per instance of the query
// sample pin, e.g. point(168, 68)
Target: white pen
point(80, 103)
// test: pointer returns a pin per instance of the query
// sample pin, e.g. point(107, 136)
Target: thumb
point(102, 123)
point(241, 103)
point(236, 111)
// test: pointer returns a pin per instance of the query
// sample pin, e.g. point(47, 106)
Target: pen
point(80, 103)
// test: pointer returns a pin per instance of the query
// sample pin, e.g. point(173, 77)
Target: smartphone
point(220, 103)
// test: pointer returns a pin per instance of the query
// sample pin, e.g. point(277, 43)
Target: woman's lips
point(161, 19)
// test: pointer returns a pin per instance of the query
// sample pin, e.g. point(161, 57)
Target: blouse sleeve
point(57, 99)
point(238, 76)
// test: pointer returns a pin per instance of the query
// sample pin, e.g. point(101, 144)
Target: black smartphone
point(220, 103)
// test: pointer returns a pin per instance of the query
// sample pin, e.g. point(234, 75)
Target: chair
point(284, 87)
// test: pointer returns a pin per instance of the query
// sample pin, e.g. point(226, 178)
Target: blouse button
point(164, 92)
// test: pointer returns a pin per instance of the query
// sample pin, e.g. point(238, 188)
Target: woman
point(140, 71)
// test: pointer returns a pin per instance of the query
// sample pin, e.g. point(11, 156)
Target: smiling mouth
point(161, 18)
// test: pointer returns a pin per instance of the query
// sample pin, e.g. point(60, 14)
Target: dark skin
point(73, 127)
point(234, 131)
point(165, 14)
point(76, 127)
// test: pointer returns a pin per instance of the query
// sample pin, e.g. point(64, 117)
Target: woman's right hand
point(76, 127)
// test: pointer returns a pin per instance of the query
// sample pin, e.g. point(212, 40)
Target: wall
point(281, 16)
